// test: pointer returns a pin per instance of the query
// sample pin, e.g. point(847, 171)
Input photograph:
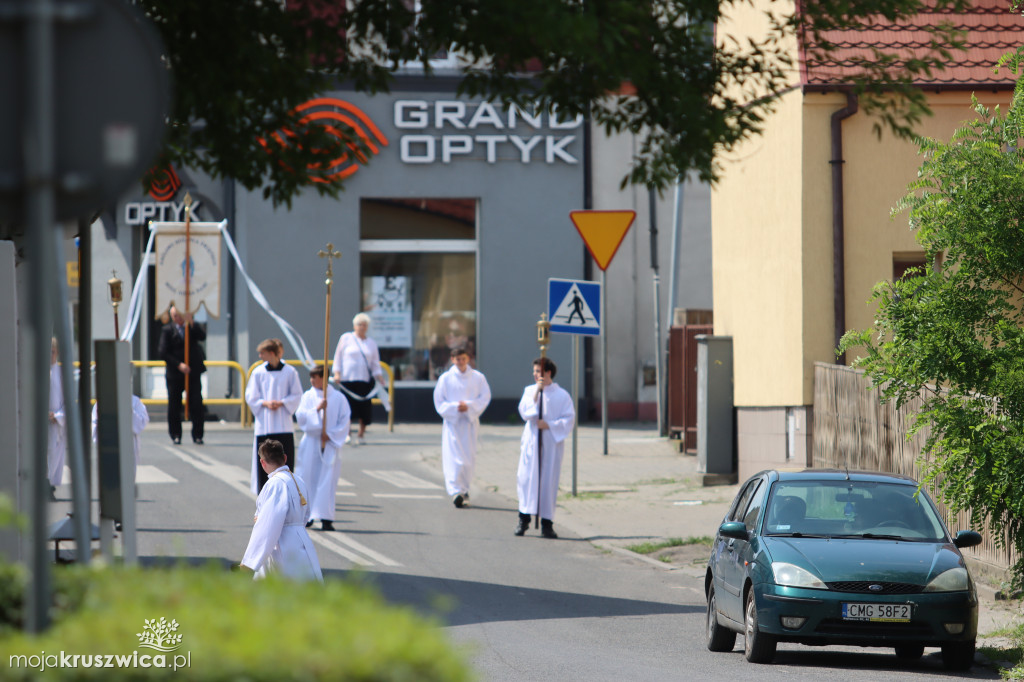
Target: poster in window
point(390, 311)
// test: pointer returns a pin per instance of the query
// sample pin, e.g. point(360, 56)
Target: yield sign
point(602, 232)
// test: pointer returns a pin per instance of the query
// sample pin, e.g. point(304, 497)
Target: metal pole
point(677, 223)
point(657, 351)
point(604, 364)
point(76, 442)
point(85, 355)
point(653, 210)
point(575, 404)
point(39, 159)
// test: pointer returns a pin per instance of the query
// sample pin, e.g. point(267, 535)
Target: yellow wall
point(756, 246)
point(772, 237)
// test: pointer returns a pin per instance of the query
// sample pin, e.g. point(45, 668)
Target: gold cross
point(330, 254)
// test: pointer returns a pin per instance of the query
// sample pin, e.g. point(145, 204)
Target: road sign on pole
point(602, 232)
point(574, 306)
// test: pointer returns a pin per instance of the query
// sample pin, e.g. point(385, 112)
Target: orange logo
point(324, 111)
point(165, 183)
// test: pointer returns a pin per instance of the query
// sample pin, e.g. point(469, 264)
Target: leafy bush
point(231, 629)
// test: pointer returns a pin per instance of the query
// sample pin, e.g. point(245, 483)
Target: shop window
point(418, 281)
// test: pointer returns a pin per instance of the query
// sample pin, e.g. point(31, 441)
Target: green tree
point(241, 68)
point(955, 334)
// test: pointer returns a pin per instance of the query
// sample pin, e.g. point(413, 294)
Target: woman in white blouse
point(356, 365)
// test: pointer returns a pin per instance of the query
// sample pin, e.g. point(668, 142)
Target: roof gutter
point(838, 223)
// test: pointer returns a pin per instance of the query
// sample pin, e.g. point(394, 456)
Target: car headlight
point(953, 580)
point(789, 575)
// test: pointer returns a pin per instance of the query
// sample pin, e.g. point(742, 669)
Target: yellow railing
point(240, 401)
point(247, 420)
point(245, 414)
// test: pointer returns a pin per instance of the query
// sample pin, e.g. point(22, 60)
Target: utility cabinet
point(715, 421)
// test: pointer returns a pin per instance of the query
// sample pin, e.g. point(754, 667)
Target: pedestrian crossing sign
point(574, 306)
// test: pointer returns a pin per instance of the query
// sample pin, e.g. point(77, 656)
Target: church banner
point(201, 267)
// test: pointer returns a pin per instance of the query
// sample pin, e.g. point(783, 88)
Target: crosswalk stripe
point(144, 473)
point(238, 478)
point(407, 496)
point(400, 479)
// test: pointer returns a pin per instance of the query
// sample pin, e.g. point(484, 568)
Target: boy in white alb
point(279, 542)
point(273, 395)
point(548, 412)
point(56, 445)
point(460, 397)
point(320, 448)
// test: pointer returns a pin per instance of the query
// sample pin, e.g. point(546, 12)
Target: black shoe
point(457, 501)
point(176, 440)
point(326, 525)
point(309, 524)
point(118, 526)
point(197, 441)
point(524, 524)
point(547, 529)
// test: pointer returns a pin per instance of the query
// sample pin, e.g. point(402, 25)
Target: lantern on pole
point(115, 296)
point(543, 334)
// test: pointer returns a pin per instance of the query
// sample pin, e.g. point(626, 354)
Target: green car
point(821, 557)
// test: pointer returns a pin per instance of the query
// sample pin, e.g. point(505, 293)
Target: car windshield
point(851, 509)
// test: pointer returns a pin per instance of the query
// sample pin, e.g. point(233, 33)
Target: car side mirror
point(967, 538)
point(734, 529)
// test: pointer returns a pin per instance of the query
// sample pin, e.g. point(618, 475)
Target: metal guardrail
point(376, 401)
point(245, 414)
point(240, 401)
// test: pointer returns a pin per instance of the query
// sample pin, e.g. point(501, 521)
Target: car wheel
point(759, 647)
point(909, 652)
point(958, 655)
point(718, 638)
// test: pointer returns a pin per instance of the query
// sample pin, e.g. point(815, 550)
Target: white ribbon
point(135, 303)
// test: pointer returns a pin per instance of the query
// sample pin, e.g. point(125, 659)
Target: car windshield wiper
point(798, 534)
point(873, 536)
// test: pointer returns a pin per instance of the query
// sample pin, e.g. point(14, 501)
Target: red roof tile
point(993, 29)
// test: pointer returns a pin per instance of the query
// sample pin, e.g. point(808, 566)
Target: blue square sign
point(574, 306)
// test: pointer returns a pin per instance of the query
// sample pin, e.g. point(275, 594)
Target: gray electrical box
point(714, 405)
point(114, 439)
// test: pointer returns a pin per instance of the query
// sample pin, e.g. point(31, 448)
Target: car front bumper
point(930, 613)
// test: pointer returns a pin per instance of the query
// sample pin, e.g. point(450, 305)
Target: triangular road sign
point(602, 232)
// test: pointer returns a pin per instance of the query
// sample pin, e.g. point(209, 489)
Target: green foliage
point(240, 70)
point(955, 335)
point(233, 628)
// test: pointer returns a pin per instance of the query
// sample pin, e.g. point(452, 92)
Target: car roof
point(839, 475)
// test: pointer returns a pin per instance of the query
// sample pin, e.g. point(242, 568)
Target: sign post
point(571, 306)
point(603, 232)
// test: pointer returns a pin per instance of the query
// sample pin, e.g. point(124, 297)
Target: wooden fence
point(853, 429)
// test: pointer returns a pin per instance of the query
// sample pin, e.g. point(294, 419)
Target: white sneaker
point(362, 441)
point(348, 439)
point(352, 442)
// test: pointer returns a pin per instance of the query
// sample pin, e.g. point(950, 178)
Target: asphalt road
point(523, 608)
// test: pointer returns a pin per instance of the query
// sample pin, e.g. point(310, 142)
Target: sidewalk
point(644, 490)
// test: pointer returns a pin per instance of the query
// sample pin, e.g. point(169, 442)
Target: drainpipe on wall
point(838, 225)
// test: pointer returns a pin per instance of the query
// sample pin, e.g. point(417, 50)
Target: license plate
point(884, 613)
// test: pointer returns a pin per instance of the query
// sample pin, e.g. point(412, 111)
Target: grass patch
point(659, 481)
point(651, 547)
point(584, 496)
point(1012, 656)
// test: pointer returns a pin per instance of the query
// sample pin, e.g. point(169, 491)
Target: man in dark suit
point(172, 352)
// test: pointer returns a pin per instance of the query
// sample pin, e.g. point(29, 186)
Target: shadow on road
point(463, 602)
